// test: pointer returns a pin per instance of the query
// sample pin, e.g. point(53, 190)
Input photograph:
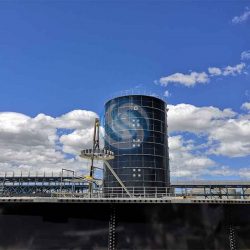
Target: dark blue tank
point(136, 131)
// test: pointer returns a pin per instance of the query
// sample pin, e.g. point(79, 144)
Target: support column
point(231, 230)
point(232, 238)
point(112, 229)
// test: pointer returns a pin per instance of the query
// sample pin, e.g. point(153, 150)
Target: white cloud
point(194, 78)
point(245, 173)
point(232, 138)
point(228, 70)
point(188, 80)
point(224, 171)
point(73, 142)
point(227, 132)
point(214, 71)
point(186, 117)
point(185, 163)
point(242, 18)
point(234, 70)
point(167, 94)
point(76, 119)
point(213, 132)
point(245, 55)
point(246, 106)
point(33, 143)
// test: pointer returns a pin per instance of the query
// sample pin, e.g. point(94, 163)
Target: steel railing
point(148, 193)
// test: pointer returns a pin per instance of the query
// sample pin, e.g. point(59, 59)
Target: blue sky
point(56, 56)
point(60, 56)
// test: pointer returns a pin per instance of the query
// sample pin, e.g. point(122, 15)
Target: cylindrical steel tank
point(136, 131)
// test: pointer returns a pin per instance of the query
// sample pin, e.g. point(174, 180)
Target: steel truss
point(67, 185)
point(38, 185)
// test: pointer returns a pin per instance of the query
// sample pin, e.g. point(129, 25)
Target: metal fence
point(153, 193)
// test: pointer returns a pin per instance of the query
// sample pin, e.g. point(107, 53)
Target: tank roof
point(135, 94)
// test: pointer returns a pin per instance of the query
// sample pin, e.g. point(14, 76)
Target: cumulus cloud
point(185, 163)
point(73, 142)
point(246, 106)
point(234, 70)
point(214, 71)
point(227, 133)
point(187, 117)
point(232, 138)
point(185, 79)
point(213, 132)
point(244, 173)
point(228, 70)
point(245, 55)
point(242, 18)
point(34, 143)
point(76, 119)
point(194, 78)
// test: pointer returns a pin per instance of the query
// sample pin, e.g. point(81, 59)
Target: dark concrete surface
point(138, 226)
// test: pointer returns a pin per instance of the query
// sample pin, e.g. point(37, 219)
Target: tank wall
point(136, 131)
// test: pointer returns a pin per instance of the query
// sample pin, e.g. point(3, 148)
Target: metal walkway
point(215, 184)
point(65, 185)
